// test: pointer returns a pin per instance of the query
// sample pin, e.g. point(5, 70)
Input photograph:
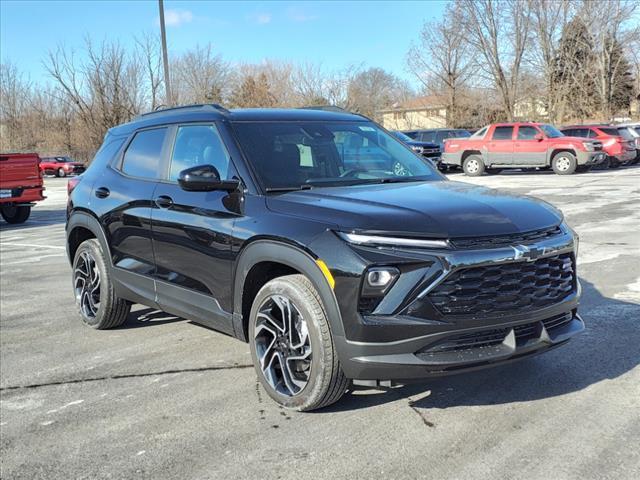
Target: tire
point(110, 311)
point(61, 173)
point(15, 215)
point(564, 163)
point(614, 163)
point(473, 166)
point(314, 378)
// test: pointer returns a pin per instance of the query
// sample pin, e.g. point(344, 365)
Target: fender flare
point(85, 220)
point(294, 257)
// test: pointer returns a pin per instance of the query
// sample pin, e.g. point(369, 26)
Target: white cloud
point(262, 18)
point(177, 17)
point(296, 14)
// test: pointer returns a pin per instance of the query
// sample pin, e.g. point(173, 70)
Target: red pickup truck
point(522, 145)
point(20, 185)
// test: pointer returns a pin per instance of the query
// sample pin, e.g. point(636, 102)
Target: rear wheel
point(564, 163)
point(61, 173)
point(473, 166)
point(614, 162)
point(292, 347)
point(13, 214)
point(96, 300)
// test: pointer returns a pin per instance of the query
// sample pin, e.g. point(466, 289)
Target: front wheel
point(292, 347)
point(473, 166)
point(564, 163)
point(13, 214)
point(61, 173)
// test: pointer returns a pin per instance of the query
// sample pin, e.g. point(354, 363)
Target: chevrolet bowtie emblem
point(526, 253)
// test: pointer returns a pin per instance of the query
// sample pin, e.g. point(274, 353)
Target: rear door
point(123, 199)
point(192, 231)
point(500, 146)
point(527, 150)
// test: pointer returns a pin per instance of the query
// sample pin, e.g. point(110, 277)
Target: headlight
point(588, 146)
point(417, 149)
point(374, 240)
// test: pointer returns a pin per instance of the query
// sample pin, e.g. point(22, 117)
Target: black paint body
point(195, 256)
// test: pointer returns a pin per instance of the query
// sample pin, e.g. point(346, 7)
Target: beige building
point(421, 112)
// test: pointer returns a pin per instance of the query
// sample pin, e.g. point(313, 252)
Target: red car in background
point(619, 146)
point(61, 166)
point(20, 185)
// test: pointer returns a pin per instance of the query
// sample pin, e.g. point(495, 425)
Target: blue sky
point(337, 34)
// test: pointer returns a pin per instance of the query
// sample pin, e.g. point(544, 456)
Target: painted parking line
point(30, 245)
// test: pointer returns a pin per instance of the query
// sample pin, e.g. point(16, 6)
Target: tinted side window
point(569, 132)
point(527, 133)
point(580, 132)
point(107, 152)
point(198, 145)
point(503, 133)
point(142, 158)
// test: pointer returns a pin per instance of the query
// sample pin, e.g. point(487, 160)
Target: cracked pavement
point(161, 397)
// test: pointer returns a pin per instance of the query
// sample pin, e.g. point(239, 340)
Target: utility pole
point(165, 58)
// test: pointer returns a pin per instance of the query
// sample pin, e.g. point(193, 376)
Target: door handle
point(164, 202)
point(102, 192)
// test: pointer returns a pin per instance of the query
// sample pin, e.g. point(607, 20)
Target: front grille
point(493, 337)
point(509, 287)
point(505, 240)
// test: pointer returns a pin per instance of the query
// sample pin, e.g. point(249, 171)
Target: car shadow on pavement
point(39, 218)
point(148, 317)
point(607, 349)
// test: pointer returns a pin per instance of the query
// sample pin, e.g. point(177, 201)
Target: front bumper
point(591, 158)
point(451, 159)
point(405, 337)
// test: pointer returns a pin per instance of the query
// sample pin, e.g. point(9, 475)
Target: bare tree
point(150, 56)
point(199, 76)
point(612, 24)
point(104, 89)
point(440, 60)
point(374, 89)
point(498, 32)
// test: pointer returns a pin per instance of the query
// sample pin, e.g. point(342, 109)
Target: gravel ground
point(161, 397)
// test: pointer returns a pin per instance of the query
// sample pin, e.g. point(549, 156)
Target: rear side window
point(503, 133)
point(198, 145)
point(610, 131)
point(581, 132)
point(107, 152)
point(142, 158)
point(527, 133)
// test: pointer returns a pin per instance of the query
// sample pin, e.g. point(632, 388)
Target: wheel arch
point(82, 226)
point(278, 258)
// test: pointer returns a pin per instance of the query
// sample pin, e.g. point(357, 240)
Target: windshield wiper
point(288, 189)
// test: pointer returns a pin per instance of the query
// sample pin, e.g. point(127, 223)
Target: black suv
point(296, 231)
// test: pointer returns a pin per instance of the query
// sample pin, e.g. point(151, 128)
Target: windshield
point(403, 137)
point(296, 155)
point(551, 131)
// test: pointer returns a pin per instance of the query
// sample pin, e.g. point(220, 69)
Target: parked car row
point(529, 145)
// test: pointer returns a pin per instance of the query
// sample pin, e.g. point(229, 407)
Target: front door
point(529, 150)
point(192, 233)
point(500, 147)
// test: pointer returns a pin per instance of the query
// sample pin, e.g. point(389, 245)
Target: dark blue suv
point(324, 242)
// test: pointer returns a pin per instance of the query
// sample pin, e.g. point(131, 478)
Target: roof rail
point(215, 106)
point(324, 108)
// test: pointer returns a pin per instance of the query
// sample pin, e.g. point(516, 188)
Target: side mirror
point(205, 178)
point(539, 137)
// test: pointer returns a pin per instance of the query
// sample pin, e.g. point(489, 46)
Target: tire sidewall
point(481, 166)
point(307, 396)
point(93, 248)
point(61, 173)
point(572, 167)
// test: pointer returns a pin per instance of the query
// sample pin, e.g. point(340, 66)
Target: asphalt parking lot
point(161, 397)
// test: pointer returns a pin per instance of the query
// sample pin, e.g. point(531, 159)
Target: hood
point(439, 209)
